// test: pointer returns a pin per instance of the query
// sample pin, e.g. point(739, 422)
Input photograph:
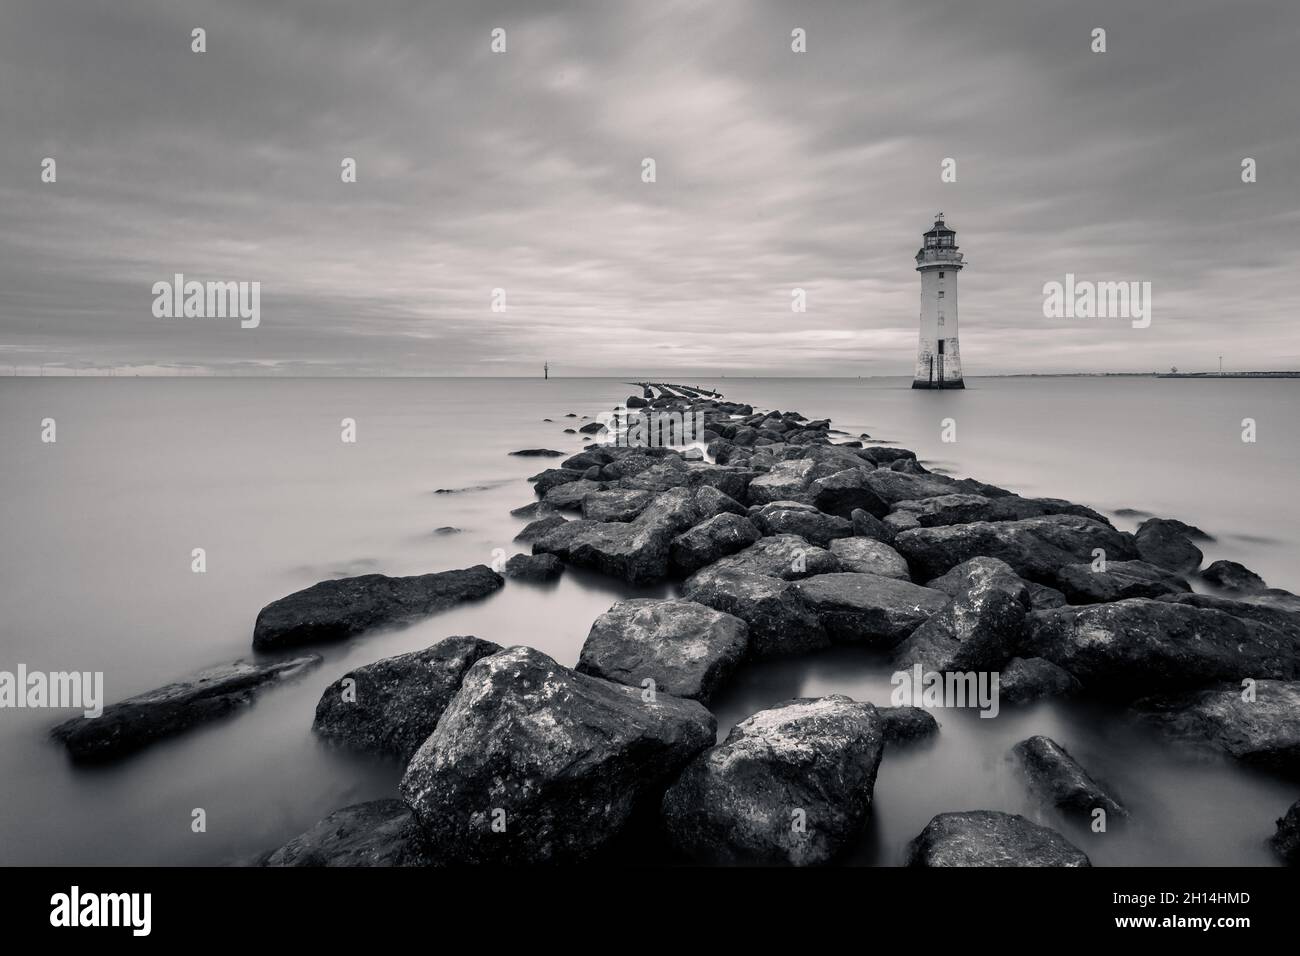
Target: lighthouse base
point(943, 384)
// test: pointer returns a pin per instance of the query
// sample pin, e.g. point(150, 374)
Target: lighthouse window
point(941, 346)
point(940, 275)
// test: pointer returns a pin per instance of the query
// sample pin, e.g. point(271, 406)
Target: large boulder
point(895, 486)
point(1286, 841)
point(779, 621)
point(785, 556)
point(392, 705)
point(791, 785)
point(868, 608)
point(868, 556)
point(711, 540)
point(615, 504)
point(845, 492)
point(903, 725)
point(966, 508)
point(536, 529)
point(1131, 647)
point(535, 763)
point(1258, 724)
point(979, 629)
point(1024, 680)
point(1059, 780)
point(569, 496)
point(534, 567)
point(1121, 579)
point(134, 723)
point(339, 609)
point(867, 525)
point(1233, 577)
point(551, 478)
point(1035, 548)
point(787, 481)
point(685, 648)
point(990, 838)
point(1278, 618)
point(1168, 543)
point(791, 517)
point(365, 834)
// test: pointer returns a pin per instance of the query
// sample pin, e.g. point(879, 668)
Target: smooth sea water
point(95, 575)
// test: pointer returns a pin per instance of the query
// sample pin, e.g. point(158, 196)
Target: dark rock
point(1286, 841)
point(591, 428)
point(1122, 579)
point(663, 475)
point(868, 556)
point(785, 556)
point(136, 722)
point(446, 529)
point(1057, 777)
point(990, 838)
point(636, 401)
point(980, 629)
point(787, 481)
point(1043, 598)
point(537, 453)
point(536, 529)
point(534, 567)
point(1027, 679)
point(867, 525)
point(779, 621)
point(711, 540)
point(538, 509)
point(365, 834)
point(966, 508)
point(392, 705)
point(616, 504)
point(544, 481)
point(569, 496)
point(867, 608)
point(791, 785)
point(845, 492)
point(895, 486)
point(687, 649)
point(337, 610)
point(882, 455)
point(1263, 732)
point(791, 517)
point(904, 724)
point(1130, 647)
point(1233, 577)
point(1167, 543)
point(561, 761)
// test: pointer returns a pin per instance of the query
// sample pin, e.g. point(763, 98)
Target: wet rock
point(1058, 779)
point(711, 502)
point(791, 517)
point(904, 724)
point(869, 556)
point(1131, 647)
point(588, 458)
point(537, 509)
point(134, 723)
point(534, 567)
point(990, 838)
point(867, 608)
point(569, 496)
point(551, 478)
point(337, 610)
point(1233, 577)
point(1027, 679)
point(1043, 598)
point(1035, 548)
point(787, 481)
point(664, 474)
point(966, 508)
point(1168, 544)
point(979, 629)
point(711, 540)
point(895, 486)
point(365, 834)
point(536, 529)
point(636, 401)
point(736, 802)
point(1286, 841)
point(845, 492)
point(867, 525)
point(392, 705)
point(537, 453)
point(565, 761)
point(884, 455)
point(779, 621)
point(591, 428)
point(785, 556)
point(1280, 619)
point(687, 649)
point(1263, 732)
point(445, 530)
point(616, 504)
point(1122, 579)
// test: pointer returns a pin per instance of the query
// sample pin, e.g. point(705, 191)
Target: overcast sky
point(522, 170)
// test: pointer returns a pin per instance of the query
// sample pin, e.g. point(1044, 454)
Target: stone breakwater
point(782, 538)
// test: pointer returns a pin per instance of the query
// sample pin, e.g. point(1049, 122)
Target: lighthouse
point(938, 356)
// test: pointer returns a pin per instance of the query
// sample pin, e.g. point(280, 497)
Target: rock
point(570, 495)
point(790, 517)
point(1027, 679)
point(1233, 577)
point(1167, 543)
point(534, 567)
point(1035, 548)
point(1286, 841)
point(867, 608)
point(869, 556)
point(779, 621)
point(1130, 647)
point(1279, 619)
point(568, 760)
point(538, 509)
point(445, 530)
point(134, 723)
point(966, 508)
point(1264, 732)
point(882, 455)
point(1043, 598)
point(365, 834)
point(787, 481)
point(845, 492)
point(894, 486)
point(1057, 777)
point(636, 401)
point(687, 649)
point(733, 804)
point(1275, 599)
point(594, 457)
point(979, 630)
point(1122, 579)
point(536, 529)
point(663, 475)
point(990, 838)
point(551, 478)
point(392, 705)
point(867, 525)
point(711, 502)
point(616, 504)
point(904, 724)
point(537, 453)
point(339, 609)
point(785, 556)
point(711, 540)
point(591, 428)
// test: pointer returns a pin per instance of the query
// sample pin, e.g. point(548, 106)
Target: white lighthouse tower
point(938, 356)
